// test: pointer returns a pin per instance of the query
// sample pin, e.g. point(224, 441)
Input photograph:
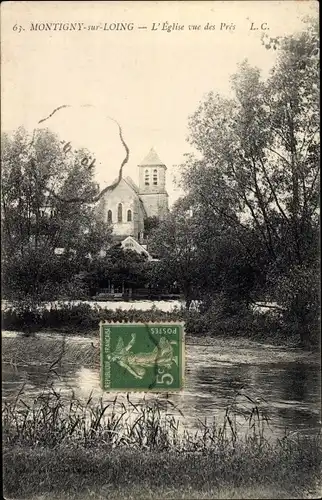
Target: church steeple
point(152, 160)
point(152, 189)
point(152, 173)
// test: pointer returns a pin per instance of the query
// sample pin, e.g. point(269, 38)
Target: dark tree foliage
point(250, 228)
point(35, 224)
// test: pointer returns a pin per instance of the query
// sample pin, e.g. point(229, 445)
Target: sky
point(149, 80)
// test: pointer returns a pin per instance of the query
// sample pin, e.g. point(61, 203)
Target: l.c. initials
point(262, 27)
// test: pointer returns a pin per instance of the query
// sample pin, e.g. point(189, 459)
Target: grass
point(52, 420)
point(73, 473)
point(65, 449)
point(145, 493)
point(44, 351)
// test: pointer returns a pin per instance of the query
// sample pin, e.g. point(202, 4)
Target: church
point(128, 205)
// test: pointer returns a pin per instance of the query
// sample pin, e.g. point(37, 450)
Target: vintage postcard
point(160, 225)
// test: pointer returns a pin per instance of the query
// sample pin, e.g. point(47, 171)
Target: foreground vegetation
point(59, 447)
point(66, 473)
point(63, 448)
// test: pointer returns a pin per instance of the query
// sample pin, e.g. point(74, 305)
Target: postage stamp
point(142, 357)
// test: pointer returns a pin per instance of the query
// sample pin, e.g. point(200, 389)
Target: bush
point(298, 292)
point(79, 318)
point(195, 323)
point(220, 319)
point(223, 317)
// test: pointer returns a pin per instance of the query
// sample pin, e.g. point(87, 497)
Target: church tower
point(152, 191)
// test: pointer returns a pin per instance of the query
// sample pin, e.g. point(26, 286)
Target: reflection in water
point(288, 390)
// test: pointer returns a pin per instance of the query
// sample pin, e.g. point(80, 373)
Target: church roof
point(152, 159)
point(129, 182)
point(132, 184)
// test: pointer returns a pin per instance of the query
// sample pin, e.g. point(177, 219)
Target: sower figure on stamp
point(136, 364)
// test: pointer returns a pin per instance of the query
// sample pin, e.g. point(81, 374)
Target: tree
point(35, 223)
point(150, 223)
point(173, 242)
point(122, 268)
point(202, 255)
point(258, 170)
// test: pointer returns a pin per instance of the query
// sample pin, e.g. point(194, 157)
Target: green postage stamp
point(142, 357)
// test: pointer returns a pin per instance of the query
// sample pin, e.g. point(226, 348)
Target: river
point(283, 382)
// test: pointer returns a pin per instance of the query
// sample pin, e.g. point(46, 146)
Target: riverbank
point(46, 347)
point(84, 318)
point(65, 449)
point(65, 442)
point(67, 473)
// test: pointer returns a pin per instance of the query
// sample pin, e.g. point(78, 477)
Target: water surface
point(283, 382)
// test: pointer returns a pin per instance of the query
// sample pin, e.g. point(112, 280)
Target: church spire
point(152, 160)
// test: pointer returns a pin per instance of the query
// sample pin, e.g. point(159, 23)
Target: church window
point(119, 213)
point(155, 177)
point(147, 178)
point(109, 216)
point(129, 216)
